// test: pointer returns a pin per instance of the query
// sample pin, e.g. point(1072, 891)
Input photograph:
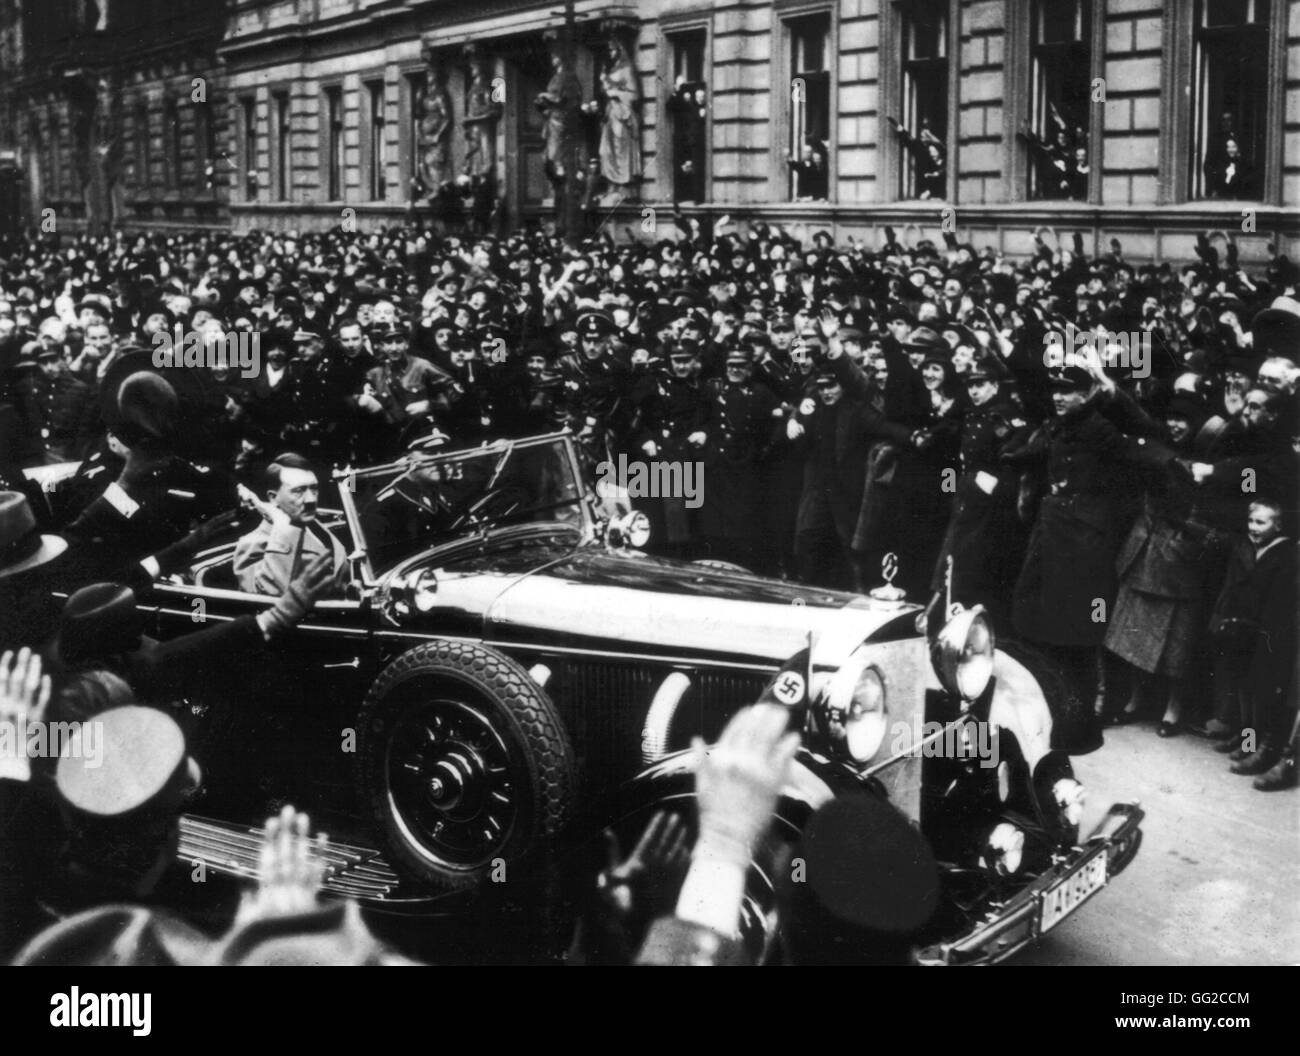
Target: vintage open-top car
point(506, 670)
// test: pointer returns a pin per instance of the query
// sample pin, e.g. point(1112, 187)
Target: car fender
point(1019, 706)
point(813, 781)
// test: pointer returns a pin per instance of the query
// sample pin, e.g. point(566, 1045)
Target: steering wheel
point(500, 501)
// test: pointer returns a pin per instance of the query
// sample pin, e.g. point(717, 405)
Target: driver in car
point(272, 554)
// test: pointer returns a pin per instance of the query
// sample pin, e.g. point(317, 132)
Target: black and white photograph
point(612, 483)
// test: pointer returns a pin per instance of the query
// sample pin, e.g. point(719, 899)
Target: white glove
point(793, 429)
point(986, 482)
point(650, 448)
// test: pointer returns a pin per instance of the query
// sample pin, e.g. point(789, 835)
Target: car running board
point(359, 873)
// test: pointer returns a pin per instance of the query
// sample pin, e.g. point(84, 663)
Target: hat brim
point(51, 547)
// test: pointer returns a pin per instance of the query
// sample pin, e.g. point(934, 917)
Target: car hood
point(628, 602)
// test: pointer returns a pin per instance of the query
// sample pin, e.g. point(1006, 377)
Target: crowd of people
point(1104, 454)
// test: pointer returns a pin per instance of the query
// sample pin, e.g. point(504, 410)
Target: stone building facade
point(1110, 117)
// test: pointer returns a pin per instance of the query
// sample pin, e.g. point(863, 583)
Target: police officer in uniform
point(743, 420)
point(317, 397)
point(784, 369)
point(1066, 588)
point(669, 420)
point(595, 389)
point(985, 537)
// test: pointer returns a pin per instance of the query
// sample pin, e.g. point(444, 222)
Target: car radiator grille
point(604, 705)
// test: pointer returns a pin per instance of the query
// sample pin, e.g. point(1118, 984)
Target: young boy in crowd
point(1253, 625)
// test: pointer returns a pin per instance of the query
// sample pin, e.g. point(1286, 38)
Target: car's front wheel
point(464, 762)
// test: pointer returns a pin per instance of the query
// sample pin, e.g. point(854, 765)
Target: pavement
point(1215, 882)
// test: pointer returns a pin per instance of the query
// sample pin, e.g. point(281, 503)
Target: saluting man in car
point(271, 555)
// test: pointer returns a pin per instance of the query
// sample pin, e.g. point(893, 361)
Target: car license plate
point(1070, 892)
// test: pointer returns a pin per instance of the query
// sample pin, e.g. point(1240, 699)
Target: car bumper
point(1018, 923)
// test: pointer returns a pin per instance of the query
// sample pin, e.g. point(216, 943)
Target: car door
point(280, 716)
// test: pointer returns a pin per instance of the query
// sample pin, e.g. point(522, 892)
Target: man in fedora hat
point(28, 610)
point(22, 545)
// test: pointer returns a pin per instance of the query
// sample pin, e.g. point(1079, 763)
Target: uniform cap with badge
point(595, 324)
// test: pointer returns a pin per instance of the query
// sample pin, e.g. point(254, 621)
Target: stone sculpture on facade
point(435, 126)
point(482, 111)
point(620, 131)
point(561, 105)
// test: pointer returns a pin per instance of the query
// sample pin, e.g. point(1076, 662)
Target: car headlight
point(963, 653)
point(853, 711)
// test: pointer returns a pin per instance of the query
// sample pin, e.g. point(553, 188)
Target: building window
point(248, 119)
point(334, 144)
point(205, 147)
point(142, 147)
point(377, 176)
point(172, 143)
point(1230, 98)
point(1060, 99)
point(415, 86)
point(283, 147)
point(688, 110)
point(56, 158)
point(810, 106)
point(923, 128)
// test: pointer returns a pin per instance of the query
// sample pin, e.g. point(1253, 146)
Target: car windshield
point(432, 497)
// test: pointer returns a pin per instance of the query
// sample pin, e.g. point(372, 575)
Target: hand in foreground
point(738, 779)
point(653, 872)
point(290, 868)
point(299, 597)
point(24, 695)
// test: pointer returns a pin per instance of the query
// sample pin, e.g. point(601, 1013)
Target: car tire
point(464, 763)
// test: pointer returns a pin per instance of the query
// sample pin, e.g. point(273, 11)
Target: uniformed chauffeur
point(742, 420)
point(985, 535)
